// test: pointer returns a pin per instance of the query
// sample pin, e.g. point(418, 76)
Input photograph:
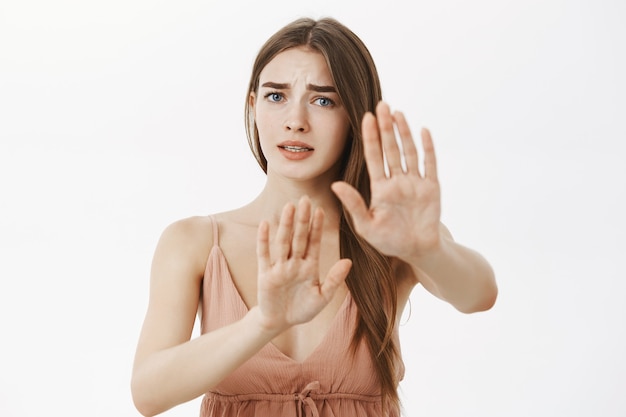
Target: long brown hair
point(370, 281)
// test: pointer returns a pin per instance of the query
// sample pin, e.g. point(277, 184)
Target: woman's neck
point(269, 204)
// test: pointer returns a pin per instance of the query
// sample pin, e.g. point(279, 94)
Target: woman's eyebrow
point(311, 87)
point(321, 88)
point(277, 86)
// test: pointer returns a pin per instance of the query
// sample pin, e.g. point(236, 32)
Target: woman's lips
point(295, 145)
point(295, 150)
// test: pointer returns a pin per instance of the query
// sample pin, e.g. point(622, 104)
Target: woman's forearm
point(181, 373)
point(458, 275)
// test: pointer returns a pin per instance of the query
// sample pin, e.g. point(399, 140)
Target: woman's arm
point(170, 369)
point(456, 274)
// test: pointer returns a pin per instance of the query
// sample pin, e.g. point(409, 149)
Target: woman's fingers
point(381, 147)
point(371, 148)
point(408, 145)
point(388, 139)
point(430, 161)
point(315, 236)
point(301, 232)
point(298, 236)
point(263, 246)
point(353, 202)
point(336, 275)
point(283, 234)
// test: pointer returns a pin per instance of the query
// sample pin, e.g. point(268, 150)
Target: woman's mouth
point(291, 148)
point(295, 150)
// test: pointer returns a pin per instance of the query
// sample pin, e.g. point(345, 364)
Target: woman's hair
point(370, 281)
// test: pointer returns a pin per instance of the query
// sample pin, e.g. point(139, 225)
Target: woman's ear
point(252, 99)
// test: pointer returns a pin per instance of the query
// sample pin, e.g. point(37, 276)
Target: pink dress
point(331, 382)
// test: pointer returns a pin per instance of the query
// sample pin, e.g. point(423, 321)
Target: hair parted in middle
point(370, 280)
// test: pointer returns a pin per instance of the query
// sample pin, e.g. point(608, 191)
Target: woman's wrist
point(267, 328)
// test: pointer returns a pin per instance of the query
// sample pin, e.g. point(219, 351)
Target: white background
point(120, 117)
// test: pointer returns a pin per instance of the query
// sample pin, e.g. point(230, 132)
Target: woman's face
point(302, 124)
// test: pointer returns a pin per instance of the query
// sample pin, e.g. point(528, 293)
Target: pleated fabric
point(331, 382)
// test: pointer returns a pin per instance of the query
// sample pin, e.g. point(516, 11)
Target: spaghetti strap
point(216, 233)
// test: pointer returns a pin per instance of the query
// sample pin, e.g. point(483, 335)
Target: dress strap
point(216, 231)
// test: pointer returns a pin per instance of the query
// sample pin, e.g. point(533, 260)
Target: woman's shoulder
point(191, 239)
point(194, 229)
point(198, 231)
point(186, 241)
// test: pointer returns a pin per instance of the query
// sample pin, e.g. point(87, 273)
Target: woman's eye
point(324, 101)
point(274, 97)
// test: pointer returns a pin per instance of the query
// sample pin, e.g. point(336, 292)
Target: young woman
point(300, 291)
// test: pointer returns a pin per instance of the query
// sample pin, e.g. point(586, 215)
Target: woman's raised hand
point(290, 290)
point(403, 217)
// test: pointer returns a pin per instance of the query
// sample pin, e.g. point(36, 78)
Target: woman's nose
point(297, 119)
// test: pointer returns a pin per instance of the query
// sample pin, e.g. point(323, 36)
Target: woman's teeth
point(295, 148)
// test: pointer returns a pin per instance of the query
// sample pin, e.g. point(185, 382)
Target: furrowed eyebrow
point(321, 88)
point(312, 87)
point(277, 86)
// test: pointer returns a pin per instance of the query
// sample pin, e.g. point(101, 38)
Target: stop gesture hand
point(403, 217)
point(290, 290)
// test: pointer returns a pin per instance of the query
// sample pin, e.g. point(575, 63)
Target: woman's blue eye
point(325, 101)
point(274, 96)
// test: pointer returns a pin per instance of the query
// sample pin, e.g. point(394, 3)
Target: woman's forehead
point(297, 63)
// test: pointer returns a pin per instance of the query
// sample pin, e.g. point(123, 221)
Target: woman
point(300, 291)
